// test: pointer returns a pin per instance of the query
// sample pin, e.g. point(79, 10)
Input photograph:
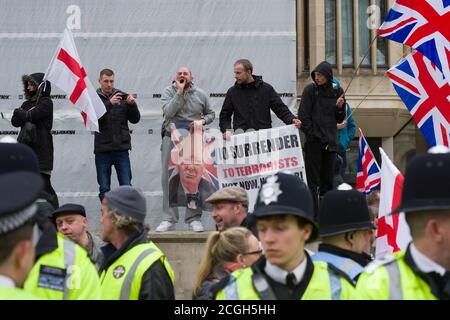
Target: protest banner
point(247, 159)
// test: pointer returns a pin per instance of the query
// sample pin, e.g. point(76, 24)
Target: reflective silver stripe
point(69, 260)
point(395, 283)
point(126, 287)
point(335, 286)
point(231, 290)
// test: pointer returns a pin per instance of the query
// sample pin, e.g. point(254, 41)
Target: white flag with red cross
point(67, 73)
point(392, 231)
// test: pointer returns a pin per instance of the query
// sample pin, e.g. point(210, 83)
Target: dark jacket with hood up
point(114, 133)
point(318, 111)
point(38, 109)
point(250, 106)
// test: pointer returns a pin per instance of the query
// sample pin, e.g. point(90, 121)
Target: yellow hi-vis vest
point(16, 294)
point(240, 286)
point(393, 279)
point(66, 273)
point(122, 280)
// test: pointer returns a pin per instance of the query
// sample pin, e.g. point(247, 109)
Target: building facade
point(343, 32)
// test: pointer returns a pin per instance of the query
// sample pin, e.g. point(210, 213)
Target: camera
point(123, 95)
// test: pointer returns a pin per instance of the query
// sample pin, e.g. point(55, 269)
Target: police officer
point(284, 214)
point(62, 269)
point(134, 268)
point(19, 191)
point(422, 271)
point(347, 235)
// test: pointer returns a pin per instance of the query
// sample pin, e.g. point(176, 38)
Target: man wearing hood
point(249, 101)
point(112, 143)
point(321, 108)
point(35, 118)
point(184, 104)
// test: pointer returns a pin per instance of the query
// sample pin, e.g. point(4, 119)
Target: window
point(351, 28)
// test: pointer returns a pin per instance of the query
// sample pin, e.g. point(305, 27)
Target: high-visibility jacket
point(392, 279)
point(66, 273)
point(122, 280)
point(16, 294)
point(242, 286)
point(342, 273)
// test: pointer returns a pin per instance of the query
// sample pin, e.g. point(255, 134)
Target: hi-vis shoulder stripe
point(379, 262)
point(150, 35)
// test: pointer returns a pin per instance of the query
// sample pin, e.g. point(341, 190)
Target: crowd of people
point(47, 251)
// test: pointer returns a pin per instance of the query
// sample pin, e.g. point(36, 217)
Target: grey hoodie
point(187, 106)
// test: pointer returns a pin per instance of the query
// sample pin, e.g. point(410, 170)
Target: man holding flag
point(113, 141)
point(422, 270)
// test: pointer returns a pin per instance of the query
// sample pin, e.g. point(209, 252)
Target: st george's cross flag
point(393, 232)
point(67, 73)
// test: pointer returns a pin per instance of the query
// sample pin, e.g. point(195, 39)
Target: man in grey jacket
point(183, 103)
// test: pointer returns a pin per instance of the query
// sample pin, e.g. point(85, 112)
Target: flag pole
point(371, 90)
point(360, 63)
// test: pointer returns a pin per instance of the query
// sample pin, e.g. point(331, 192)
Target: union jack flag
point(423, 25)
point(426, 94)
point(368, 176)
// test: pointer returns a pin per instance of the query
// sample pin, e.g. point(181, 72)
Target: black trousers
point(49, 193)
point(319, 165)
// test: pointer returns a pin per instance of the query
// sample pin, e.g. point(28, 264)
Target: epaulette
point(216, 287)
point(379, 262)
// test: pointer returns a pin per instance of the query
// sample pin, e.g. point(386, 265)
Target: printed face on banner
point(192, 171)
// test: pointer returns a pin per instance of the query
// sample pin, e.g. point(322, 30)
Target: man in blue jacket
point(346, 133)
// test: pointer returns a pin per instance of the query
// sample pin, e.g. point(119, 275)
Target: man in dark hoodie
point(35, 117)
point(249, 101)
point(320, 110)
point(112, 143)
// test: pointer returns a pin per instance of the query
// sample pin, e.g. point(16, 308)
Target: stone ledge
point(179, 236)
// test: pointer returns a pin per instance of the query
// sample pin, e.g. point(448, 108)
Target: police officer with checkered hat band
point(347, 235)
point(421, 272)
point(284, 214)
point(19, 191)
point(62, 269)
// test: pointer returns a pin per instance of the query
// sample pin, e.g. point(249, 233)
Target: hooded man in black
point(35, 117)
point(321, 108)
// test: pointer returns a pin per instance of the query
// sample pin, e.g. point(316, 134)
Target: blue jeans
point(103, 163)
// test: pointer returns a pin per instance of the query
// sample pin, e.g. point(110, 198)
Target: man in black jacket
point(113, 141)
point(35, 117)
point(320, 110)
point(249, 101)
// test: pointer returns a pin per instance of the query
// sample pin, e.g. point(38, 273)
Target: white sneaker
point(196, 226)
point(165, 226)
